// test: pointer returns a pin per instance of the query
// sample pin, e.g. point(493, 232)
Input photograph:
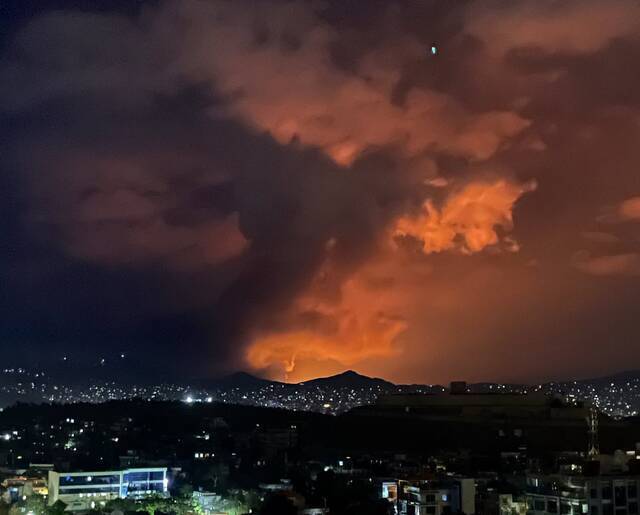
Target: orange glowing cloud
point(626, 211)
point(630, 209)
point(122, 214)
point(353, 340)
point(299, 94)
point(356, 115)
point(346, 319)
point(302, 95)
point(468, 219)
point(336, 320)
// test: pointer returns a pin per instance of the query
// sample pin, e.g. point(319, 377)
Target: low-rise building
point(431, 497)
point(88, 490)
point(582, 495)
point(17, 487)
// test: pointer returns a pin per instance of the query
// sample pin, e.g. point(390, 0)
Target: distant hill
point(628, 375)
point(243, 380)
point(350, 379)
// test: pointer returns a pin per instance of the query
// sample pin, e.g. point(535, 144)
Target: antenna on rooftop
point(592, 421)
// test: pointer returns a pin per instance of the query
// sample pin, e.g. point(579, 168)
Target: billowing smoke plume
point(312, 188)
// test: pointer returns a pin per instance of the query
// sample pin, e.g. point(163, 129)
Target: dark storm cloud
point(217, 184)
point(122, 174)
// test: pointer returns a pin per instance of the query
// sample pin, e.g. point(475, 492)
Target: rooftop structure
point(458, 403)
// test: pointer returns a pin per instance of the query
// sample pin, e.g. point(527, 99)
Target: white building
point(579, 495)
point(88, 490)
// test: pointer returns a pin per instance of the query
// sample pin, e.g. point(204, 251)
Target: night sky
point(298, 188)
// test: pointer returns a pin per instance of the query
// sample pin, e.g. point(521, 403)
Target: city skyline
point(421, 192)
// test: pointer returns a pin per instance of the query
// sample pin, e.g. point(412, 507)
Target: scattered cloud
point(626, 211)
point(612, 265)
point(581, 26)
point(600, 237)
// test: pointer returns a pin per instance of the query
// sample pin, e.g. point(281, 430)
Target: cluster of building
point(576, 484)
point(618, 396)
point(503, 453)
point(605, 485)
point(430, 497)
point(81, 491)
